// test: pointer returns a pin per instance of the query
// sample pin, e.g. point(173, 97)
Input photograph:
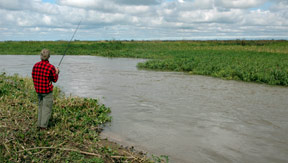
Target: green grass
point(73, 134)
point(262, 61)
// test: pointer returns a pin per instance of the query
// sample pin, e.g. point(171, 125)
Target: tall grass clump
point(269, 68)
point(73, 133)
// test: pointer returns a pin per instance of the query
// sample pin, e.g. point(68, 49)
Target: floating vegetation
point(73, 133)
point(260, 67)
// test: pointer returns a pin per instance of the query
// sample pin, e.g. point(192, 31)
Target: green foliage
point(260, 67)
point(75, 126)
point(263, 61)
point(77, 157)
point(18, 116)
point(160, 159)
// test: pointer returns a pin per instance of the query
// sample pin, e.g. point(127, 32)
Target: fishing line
point(69, 43)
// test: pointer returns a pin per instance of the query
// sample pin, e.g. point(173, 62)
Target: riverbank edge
point(73, 133)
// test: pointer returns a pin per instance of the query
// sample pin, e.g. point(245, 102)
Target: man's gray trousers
point(45, 108)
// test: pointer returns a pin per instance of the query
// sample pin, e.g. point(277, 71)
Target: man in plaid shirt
point(43, 75)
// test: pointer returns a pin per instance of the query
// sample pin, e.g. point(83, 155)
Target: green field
point(262, 61)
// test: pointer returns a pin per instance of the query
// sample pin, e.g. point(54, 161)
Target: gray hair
point(45, 54)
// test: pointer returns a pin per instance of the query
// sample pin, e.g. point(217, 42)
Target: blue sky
point(50, 1)
point(265, 6)
point(143, 19)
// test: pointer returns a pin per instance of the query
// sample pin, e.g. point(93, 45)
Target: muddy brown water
point(190, 118)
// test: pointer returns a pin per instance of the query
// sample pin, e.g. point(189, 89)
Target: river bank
point(73, 134)
point(260, 61)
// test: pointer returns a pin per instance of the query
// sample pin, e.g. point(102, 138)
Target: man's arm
point(55, 72)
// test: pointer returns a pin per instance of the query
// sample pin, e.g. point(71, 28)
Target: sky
point(143, 19)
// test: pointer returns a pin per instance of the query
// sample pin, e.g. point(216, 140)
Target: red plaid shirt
point(43, 75)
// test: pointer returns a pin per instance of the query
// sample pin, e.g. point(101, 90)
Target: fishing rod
point(69, 43)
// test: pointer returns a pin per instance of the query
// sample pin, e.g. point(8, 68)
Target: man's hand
point(57, 71)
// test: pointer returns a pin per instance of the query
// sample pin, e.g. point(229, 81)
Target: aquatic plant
point(73, 134)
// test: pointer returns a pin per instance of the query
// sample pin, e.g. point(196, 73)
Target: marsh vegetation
point(73, 134)
point(262, 61)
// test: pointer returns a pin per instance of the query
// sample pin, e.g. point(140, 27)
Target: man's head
point(45, 54)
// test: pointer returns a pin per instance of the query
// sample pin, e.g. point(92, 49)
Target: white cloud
point(138, 19)
point(202, 4)
point(239, 3)
point(99, 3)
point(14, 4)
point(47, 20)
point(138, 2)
point(82, 3)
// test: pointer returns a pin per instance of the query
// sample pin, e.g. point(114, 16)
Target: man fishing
point(43, 75)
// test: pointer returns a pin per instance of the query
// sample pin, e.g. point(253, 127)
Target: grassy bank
point(73, 135)
point(263, 61)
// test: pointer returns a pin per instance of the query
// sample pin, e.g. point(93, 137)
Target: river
point(190, 118)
